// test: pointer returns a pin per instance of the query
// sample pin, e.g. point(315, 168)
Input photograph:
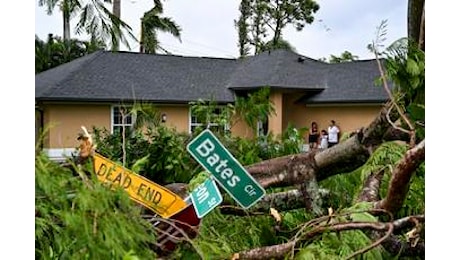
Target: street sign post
point(228, 172)
point(206, 197)
point(153, 196)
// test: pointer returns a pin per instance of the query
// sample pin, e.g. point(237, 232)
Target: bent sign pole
point(228, 172)
point(153, 196)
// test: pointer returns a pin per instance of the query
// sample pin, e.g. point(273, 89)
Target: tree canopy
point(151, 23)
point(263, 21)
point(56, 51)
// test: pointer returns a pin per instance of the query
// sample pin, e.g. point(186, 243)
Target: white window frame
point(113, 125)
point(261, 128)
point(192, 124)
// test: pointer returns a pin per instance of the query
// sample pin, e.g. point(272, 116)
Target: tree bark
point(370, 192)
point(269, 252)
point(396, 246)
point(66, 21)
point(415, 9)
point(281, 201)
point(116, 10)
point(279, 251)
point(421, 37)
point(403, 249)
point(400, 179)
point(394, 134)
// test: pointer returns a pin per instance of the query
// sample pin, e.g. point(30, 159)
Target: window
point(262, 127)
point(199, 121)
point(121, 116)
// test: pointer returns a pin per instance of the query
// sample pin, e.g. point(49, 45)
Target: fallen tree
point(313, 167)
point(300, 174)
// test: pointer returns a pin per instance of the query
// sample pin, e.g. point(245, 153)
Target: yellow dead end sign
point(153, 196)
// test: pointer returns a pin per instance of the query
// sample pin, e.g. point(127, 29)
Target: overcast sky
point(208, 26)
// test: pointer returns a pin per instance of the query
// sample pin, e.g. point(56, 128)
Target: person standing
point(333, 134)
point(323, 140)
point(313, 136)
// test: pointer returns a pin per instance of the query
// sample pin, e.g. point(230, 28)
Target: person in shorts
point(333, 134)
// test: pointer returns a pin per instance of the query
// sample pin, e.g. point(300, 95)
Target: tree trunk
point(66, 22)
point(281, 201)
point(141, 43)
point(116, 10)
point(415, 9)
point(342, 158)
point(421, 37)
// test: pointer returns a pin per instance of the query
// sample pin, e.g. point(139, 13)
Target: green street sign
point(206, 197)
point(228, 172)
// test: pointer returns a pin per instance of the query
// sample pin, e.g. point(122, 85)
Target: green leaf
point(139, 164)
point(414, 82)
point(416, 112)
point(412, 67)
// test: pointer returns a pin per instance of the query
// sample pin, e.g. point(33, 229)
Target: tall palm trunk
point(141, 43)
point(117, 12)
point(66, 20)
point(416, 20)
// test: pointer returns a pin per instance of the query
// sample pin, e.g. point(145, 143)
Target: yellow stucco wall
point(177, 116)
point(241, 129)
point(293, 113)
point(275, 121)
point(64, 122)
point(348, 117)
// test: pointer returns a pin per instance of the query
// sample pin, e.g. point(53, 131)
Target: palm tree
point(67, 7)
point(94, 19)
point(98, 21)
point(416, 22)
point(56, 51)
point(151, 22)
point(116, 10)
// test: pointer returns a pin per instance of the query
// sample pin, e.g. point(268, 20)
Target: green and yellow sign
point(153, 196)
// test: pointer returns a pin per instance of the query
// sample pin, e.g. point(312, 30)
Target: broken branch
point(400, 179)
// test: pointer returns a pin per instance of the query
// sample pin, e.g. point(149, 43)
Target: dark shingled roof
point(126, 76)
point(107, 76)
point(281, 68)
point(350, 82)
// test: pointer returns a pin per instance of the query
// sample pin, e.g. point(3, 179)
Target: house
point(90, 90)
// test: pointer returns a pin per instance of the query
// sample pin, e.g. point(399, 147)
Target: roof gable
point(350, 82)
point(281, 69)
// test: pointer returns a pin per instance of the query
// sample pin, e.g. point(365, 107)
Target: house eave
point(346, 103)
point(112, 100)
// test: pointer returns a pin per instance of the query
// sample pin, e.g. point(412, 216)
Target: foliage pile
point(222, 235)
point(158, 153)
point(78, 218)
